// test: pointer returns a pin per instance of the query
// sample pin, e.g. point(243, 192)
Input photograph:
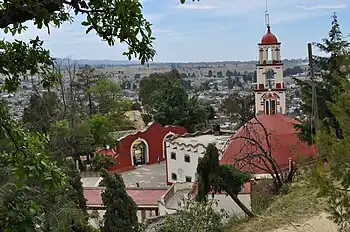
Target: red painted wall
point(154, 136)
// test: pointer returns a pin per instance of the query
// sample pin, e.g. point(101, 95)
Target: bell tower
point(269, 88)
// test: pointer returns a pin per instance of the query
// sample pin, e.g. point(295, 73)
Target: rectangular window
point(187, 159)
point(273, 107)
point(267, 107)
point(173, 155)
point(174, 176)
point(188, 179)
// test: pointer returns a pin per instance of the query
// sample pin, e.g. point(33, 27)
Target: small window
point(188, 179)
point(187, 159)
point(173, 155)
point(173, 176)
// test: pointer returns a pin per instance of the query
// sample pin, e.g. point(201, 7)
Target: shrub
point(101, 161)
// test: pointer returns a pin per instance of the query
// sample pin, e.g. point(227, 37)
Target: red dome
point(284, 143)
point(269, 38)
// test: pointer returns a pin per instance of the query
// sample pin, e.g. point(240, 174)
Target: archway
point(139, 152)
point(168, 135)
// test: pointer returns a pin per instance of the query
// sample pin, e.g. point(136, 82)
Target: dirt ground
point(318, 223)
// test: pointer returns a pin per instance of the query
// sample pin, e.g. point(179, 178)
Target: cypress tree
point(121, 210)
point(216, 177)
point(330, 71)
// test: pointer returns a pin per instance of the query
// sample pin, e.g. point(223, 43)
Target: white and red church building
point(271, 128)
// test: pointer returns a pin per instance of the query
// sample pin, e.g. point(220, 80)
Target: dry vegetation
point(299, 205)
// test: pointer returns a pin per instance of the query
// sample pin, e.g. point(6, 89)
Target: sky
point(208, 30)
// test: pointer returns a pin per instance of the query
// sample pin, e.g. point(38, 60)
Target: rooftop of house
point(205, 140)
point(140, 196)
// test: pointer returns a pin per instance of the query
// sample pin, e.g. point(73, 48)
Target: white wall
point(179, 166)
point(226, 203)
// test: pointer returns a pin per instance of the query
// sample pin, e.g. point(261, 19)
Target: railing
point(169, 194)
point(85, 174)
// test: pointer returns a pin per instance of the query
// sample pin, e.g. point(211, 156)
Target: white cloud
point(323, 7)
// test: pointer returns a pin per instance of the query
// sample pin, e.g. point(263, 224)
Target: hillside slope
point(300, 210)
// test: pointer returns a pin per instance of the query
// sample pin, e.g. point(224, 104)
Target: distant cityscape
point(211, 82)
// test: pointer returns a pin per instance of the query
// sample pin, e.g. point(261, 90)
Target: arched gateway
point(143, 147)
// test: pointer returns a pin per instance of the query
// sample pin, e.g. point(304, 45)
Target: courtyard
point(147, 176)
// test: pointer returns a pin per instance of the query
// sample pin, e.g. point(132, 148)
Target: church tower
point(270, 92)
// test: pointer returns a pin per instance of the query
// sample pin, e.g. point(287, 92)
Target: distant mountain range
point(83, 62)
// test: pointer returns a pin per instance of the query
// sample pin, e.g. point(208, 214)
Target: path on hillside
point(315, 224)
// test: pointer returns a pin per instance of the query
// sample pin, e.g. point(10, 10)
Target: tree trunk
point(241, 205)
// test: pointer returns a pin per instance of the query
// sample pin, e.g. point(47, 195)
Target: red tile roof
point(283, 140)
point(110, 152)
point(140, 196)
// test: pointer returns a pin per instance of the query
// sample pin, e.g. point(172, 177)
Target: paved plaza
point(148, 176)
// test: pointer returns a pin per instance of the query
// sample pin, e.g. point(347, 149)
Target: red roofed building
point(145, 199)
point(251, 139)
point(151, 141)
point(271, 129)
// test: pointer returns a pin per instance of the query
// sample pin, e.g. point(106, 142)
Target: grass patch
point(302, 202)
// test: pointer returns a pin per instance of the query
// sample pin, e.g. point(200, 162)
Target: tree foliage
point(194, 216)
point(120, 208)
point(240, 108)
point(169, 103)
point(100, 162)
point(336, 183)
point(41, 112)
point(215, 177)
point(330, 72)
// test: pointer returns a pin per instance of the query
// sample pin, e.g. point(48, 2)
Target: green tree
point(155, 82)
point(41, 112)
point(31, 173)
point(100, 162)
point(331, 71)
point(240, 108)
point(71, 142)
point(216, 177)
point(120, 208)
point(109, 97)
point(335, 185)
point(69, 202)
point(173, 106)
point(101, 128)
point(87, 77)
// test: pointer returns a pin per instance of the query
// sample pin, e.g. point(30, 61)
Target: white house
point(184, 151)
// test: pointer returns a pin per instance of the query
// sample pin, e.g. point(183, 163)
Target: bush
point(101, 161)
point(194, 216)
point(284, 189)
point(147, 118)
point(262, 195)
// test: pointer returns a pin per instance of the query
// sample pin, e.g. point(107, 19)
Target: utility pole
point(314, 116)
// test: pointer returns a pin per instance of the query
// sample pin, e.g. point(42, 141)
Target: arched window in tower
point(269, 55)
point(270, 79)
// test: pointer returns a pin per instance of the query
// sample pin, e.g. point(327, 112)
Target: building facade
point(183, 152)
point(141, 147)
point(270, 91)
